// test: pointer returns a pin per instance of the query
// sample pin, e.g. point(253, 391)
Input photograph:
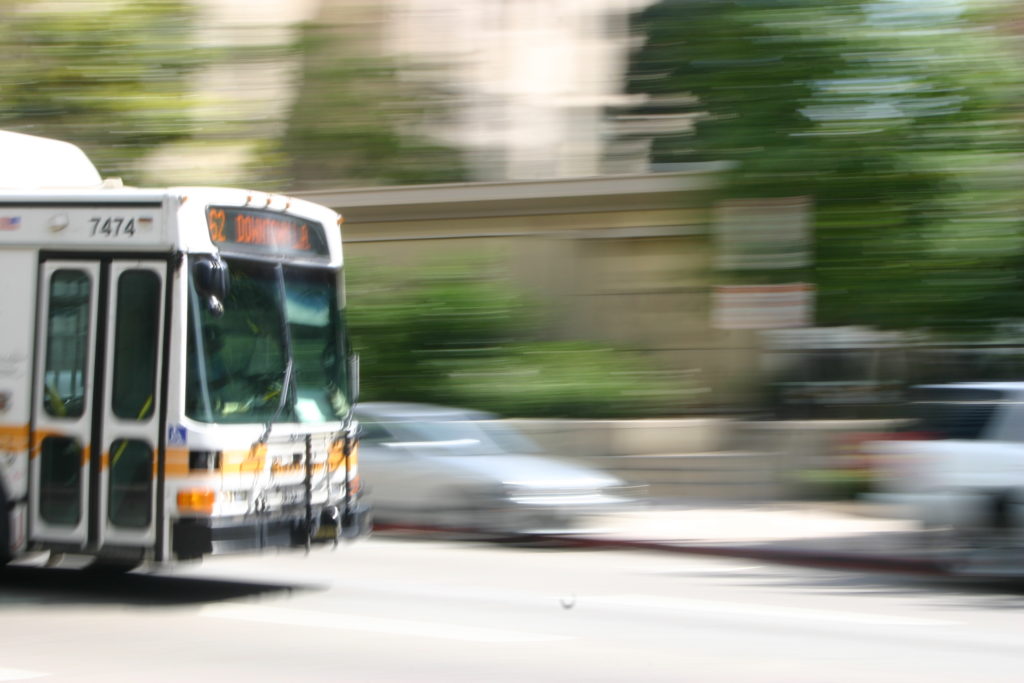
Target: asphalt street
point(417, 610)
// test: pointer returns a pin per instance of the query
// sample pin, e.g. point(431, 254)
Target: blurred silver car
point(434, 466)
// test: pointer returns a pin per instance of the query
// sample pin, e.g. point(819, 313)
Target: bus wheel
point(5, 530)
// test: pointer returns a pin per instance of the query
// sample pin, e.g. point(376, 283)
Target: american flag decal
point(10, 222)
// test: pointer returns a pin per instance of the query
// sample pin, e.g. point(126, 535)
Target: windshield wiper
point(289, 368)
point(282, 400)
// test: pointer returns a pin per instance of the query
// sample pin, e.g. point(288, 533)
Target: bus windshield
point(238, 368)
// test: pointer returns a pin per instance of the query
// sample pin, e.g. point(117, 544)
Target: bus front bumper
point(195, 537)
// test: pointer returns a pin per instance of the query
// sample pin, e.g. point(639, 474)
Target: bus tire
point(5, 529)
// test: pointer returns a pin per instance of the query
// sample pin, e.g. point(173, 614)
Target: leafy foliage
point(117, 79)
point(112, 77)
point(901, 120)
point(452, 335)
point(357, 122)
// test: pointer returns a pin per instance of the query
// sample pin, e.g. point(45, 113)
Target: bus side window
point(67, 343)
point(136, 341)
point(60, 491)
point(129, 502)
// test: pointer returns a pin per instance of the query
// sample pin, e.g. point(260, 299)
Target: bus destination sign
point(266, 232)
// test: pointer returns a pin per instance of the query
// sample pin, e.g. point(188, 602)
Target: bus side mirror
point(213, 281)
point(212, 277)
point(353, 378)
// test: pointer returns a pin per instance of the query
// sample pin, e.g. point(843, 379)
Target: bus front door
point(96, 420)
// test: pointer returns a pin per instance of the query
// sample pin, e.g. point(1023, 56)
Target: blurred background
point(593, 208)
point(654, 270)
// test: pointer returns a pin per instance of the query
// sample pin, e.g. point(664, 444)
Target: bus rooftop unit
point(175, 377)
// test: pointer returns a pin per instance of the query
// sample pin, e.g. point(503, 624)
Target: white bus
point(175, 379)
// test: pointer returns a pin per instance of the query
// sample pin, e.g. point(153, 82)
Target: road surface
point(415, 610)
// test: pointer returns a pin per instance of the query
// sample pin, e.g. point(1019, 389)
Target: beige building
point(526, 83)
point(530, 80)
point(624, 259)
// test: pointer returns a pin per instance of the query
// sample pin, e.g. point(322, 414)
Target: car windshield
point(459, 437)
point(238, 358)
point(953, 412)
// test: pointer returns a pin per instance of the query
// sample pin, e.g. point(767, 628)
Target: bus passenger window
point(135, 344)
point(60, 491)
point(67, 344)
point(131, 483)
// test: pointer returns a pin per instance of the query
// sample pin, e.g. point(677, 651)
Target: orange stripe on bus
point(336, 456)
point(42, 435)
point(176, 462)
point(252, 460)
point(14, 437)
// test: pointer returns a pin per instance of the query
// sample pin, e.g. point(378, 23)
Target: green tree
point(112, 77)
point(358, 120)
point(900, 120)
point(117, 78)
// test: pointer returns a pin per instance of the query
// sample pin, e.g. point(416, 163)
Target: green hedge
point(459, 335)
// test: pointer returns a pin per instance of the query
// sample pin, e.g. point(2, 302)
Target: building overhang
point(677, 189)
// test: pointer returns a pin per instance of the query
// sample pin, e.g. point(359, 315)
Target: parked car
point(962, 466)
point(436, 466)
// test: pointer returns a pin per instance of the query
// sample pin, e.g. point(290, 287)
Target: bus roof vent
point(28, 161)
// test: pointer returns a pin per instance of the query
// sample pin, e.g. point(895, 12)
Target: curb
point(808, 558)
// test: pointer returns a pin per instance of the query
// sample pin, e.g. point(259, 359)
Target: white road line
point(353, 622)
point(20, 674)
point(742, 609)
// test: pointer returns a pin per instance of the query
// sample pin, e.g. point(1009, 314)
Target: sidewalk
point(704, 522)
point(840, 534)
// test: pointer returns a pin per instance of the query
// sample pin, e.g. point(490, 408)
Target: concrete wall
point(705, 458)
